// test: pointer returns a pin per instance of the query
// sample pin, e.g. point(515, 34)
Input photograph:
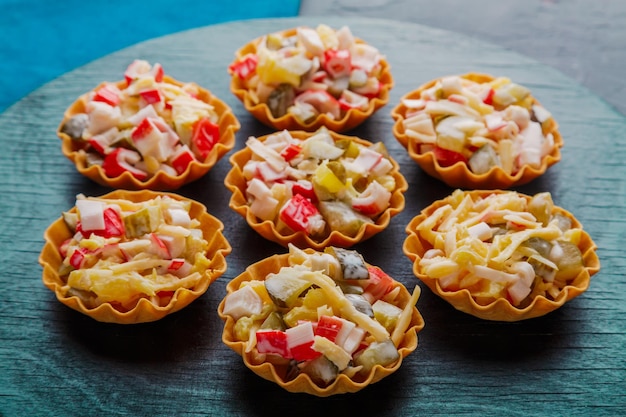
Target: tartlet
point(305, 339)
point(146, 256)
point(475, 131)
point(345, 188)
point(303, 78)
point(148, 131)
point(501, 255)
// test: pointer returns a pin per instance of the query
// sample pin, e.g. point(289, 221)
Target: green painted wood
point(54, 361)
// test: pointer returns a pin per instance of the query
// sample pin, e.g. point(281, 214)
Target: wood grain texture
point(54, 361)
point(582, 39)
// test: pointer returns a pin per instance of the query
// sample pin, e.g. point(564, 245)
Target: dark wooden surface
point(54, 361)
point(583, 39)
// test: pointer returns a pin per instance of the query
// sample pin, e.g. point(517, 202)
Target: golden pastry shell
point(227, 122)
point(50, 259)
point(414, 248)
point(351, 119)
point(303, 383)
point(236, 183)
point(459, 175)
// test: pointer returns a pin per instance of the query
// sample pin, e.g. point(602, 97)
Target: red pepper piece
point(78, 257)
point(204, 136)
point(98, 144)
point(369, 209)
point(300, 341)
point(373, 200)
point(245, 67)
point(297, 212)
point(159, 248)
point(115, 164)
point(182, 159)
point(113, 225)
point(176, 264)
point(157, 72)
point(304, 352)
point(143, 129)
point(64, 247)
point(272, 341)
point(268, 174)
point(111, 165)
point(447, 158)
point(290, 152)
point(151, 96)
point(328, 327)
point(370, 90)
point(379, 283)
point(345, 105)
point(108, 94)
point(337, 62)
point(139, 67)
point(457, 98)
point(320, 76)
point(489, 98)
point(304, 188)
point(134, 69)
point(321, 100)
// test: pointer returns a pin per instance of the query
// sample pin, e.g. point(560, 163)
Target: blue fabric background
point(42, 39)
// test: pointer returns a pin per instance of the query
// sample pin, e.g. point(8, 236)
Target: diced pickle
point(75, 126)
point(338, 169)
point(92, 159)
point(541, 206)
point(378, 353)
point(542, 270)
point(70, 219)
point(360, 184)
point(284, 288)
point(342, 218)
point(143, 221)
point(386, 314)
point(124, 139)
point(380, 148)
point(194, 243)
point(274, 321)
point(338, 85)
point(542, 246)
point(563, 222)
point(273, 42)
point(280, 99)
point(347, 288)
point(321, 370)
point(350, 146)
point(352, 264)
point(326, 183)
point(65, 269)
point(568, 259)
point(361, 304)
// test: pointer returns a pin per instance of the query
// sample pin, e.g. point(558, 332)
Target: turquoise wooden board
point(45, 39)
point(55, 361)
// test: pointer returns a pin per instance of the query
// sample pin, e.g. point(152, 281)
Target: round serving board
point(55, 361)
